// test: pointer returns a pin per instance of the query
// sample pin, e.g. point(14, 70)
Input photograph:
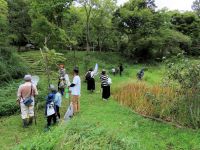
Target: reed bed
point(156, 101)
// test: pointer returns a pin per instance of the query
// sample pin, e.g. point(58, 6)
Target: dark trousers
point(62, 91)
point(50, 118)
point(58, 112)
point(120, 72)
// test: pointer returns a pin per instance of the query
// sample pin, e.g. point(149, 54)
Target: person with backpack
point(75, 89)
point(105, 85)
point(50, 108)
point(26, 99)
point(61, 71)
point(62, 85)
point(90, 78)
point(140, 74)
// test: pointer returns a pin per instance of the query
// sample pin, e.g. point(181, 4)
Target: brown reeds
point(154, 100)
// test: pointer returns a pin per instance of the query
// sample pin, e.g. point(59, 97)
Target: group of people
point(119, 70)
point(28, 91)
point(105, 82)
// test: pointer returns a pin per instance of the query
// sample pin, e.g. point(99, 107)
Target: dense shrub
point(184, 75)
point(11, 65)
point(177, 99)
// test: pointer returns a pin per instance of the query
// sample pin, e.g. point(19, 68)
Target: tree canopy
point(136, 29)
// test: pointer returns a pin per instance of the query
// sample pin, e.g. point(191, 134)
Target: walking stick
point(35, 112)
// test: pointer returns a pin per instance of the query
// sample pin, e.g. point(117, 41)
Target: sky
point(182, 5)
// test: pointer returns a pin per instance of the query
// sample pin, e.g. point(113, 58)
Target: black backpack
point(88, 76)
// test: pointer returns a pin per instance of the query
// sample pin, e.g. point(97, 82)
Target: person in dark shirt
point(121, 69)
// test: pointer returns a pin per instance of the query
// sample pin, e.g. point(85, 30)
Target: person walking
point(105, 85)
point(75, 89)
point(26, 99)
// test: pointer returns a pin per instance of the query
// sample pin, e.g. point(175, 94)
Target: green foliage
point(196, 7)
point(3, 22)
point(148, 33)
point(19, 22)
point(184, 74)
point(188, 23)
point(11, 65)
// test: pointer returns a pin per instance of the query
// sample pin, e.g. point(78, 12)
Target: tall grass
point(156, 101)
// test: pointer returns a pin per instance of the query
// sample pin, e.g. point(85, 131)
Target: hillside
point(100, 125)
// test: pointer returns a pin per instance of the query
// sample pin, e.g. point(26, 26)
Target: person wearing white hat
point(26, 93)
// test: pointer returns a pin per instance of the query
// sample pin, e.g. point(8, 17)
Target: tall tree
point(196, 7)
point(19, 22)
point(101, 21)
point(47, 22)
point(3, 22)
point(88, 5)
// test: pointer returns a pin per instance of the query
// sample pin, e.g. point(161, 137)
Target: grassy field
point(100, 125)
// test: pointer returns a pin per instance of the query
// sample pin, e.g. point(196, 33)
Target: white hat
point(27, 77)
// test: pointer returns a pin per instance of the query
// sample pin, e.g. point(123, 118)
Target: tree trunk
point(87, 35)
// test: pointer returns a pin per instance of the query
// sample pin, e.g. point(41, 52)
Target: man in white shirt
point(75, 89)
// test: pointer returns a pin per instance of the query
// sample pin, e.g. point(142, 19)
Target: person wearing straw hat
point(26, 94)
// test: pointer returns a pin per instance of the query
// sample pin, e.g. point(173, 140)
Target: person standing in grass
point(57, 102)
point(105, 85)
point(61, 71)
point(121, 69)
point(90, 78)
point(26, 94)
point(140, 74)
point(50, 108)
point(62, 85)
point(75, 89)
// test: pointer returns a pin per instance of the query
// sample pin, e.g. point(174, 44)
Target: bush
point(165, 42)
point(184, 75)
point(11, 65)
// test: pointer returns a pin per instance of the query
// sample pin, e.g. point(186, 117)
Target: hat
point(103, 71)
point(52, 87)
point(27, 77)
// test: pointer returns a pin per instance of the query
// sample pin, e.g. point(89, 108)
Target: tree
point(3, 22)
point(47, 22)
point(188, 23)
point(88, 5)
point(101, 22)
point(50, 61)
point(19, 22)
point(51, 9)
point(148, 32)
point(196, 7)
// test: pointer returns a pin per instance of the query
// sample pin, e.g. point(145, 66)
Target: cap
point(27, 77)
